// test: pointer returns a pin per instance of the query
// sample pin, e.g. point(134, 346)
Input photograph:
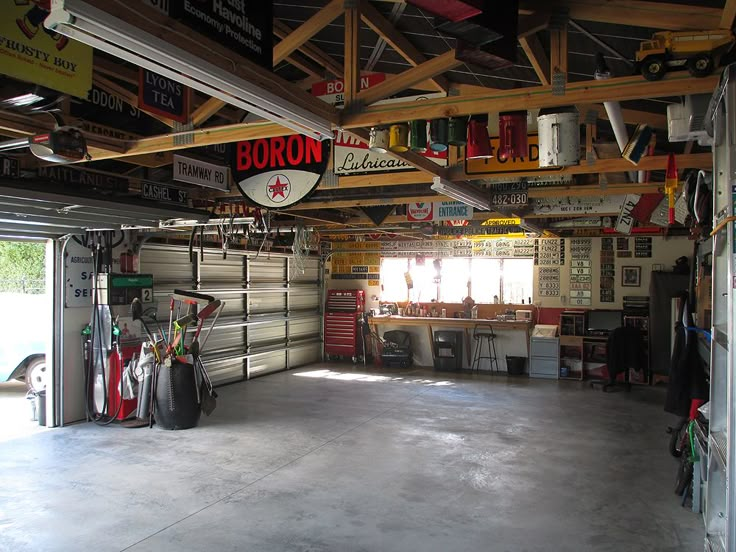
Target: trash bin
point(41, 407)
point(515, 365)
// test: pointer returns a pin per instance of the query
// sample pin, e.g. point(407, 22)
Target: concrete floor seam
point(286, 465)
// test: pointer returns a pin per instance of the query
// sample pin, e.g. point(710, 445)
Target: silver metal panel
point(266, 335)
point(301, 329)
point(216, 272)
point(300, 356)
point(225, 371)
point(252, 330)
point(267, 269)
point(311, 271)
point(301, 298)
point(263, 303)
point(261, 365)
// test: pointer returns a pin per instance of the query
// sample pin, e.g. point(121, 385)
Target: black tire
point(653, 68)
point(677, 436)
point(404, 364)
point(700, 65)
point(684, 476)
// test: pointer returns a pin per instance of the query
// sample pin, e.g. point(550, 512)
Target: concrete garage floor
point(16, 412)
point(312, 460)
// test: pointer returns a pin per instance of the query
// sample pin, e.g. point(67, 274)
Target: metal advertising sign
point(353, 157)
point(584, 205)
point(161, 192)
point(244, 27)
point(508, 165)
point(281, 171)
point(198, 172)
point(625, 222)
point(333, 91)
point(438, 211)
point(83, 179)
point(31, 53)
point(111, 112)
point(9, 167)
point(163, 96)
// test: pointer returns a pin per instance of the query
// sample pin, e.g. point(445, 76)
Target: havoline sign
point(244, 26)
point(281, 171)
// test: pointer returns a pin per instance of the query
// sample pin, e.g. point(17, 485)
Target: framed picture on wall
point(631, 276)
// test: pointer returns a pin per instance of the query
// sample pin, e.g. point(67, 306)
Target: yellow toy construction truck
point(699, 51)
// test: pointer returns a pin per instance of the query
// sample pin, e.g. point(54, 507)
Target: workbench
point(512, 336)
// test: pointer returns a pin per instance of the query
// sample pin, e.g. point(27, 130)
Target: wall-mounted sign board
point(281, 171)
point(194, 171)
point(494, 165)
point(163, 96)
point(438, 211)
point(29, 53)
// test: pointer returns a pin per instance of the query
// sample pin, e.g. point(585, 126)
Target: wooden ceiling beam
point(386, 30)
point(535, 54)
point(615, 89)
point(351, 76)
point(366, 202)
point(150, 20)
point(728, 14)
point(636, 13)
point(206, 110)
point(307, 30)
point(631, 116)
point(402, 81)
point(282, 30)
point(619, 164)
point(558, 53)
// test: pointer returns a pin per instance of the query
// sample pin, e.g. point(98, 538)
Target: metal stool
point(483, 335)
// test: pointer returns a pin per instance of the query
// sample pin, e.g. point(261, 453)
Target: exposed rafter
point(307, 30)
point(535, 54)
point(615, 89)
point(397, 83)
point(728, 14)
point(352, 55)
point(638, 13)
point(282, 30)
point(383, 28)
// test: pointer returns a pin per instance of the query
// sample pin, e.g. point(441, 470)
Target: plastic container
point(515, 365)
point(41, 407)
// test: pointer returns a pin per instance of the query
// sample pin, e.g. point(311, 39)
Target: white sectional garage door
point(271, 319)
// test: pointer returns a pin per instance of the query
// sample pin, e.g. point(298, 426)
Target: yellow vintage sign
point(494, 165)
point(30, 52)
point(501, 222)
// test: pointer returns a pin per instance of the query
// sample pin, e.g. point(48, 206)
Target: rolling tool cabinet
point(342, 323)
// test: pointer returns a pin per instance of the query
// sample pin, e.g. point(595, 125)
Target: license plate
point(519, 198)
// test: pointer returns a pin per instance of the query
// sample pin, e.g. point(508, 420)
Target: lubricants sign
point(281, 171)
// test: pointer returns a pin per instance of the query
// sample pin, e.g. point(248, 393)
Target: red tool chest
point(342, 327)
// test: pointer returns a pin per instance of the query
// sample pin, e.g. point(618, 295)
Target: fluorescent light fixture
point(94, 27)
point(23, 100)
point(465, 193)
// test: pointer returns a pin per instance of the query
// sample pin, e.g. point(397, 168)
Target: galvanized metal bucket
point(559, 138)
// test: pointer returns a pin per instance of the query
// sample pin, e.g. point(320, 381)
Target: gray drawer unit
point(545, 357)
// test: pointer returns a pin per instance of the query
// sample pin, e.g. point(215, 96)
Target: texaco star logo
point(278, 188)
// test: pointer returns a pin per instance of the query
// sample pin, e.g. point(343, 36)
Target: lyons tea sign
point(281, 171)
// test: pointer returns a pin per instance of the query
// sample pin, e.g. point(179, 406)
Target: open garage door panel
point(271, 319)
point(30, 212)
